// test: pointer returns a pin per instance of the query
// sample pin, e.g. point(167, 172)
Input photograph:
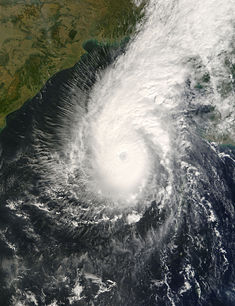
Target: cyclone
point(117, 180)
point(129, 129)
point(122, 158)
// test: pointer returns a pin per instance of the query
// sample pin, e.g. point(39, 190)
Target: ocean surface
point(117, 179)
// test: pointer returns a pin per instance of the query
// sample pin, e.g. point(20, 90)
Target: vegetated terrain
point(40, 38)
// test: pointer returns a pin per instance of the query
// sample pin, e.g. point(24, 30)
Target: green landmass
point(40, 38)
point(200, 80)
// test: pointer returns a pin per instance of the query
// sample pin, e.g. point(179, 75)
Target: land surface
point(39, 38)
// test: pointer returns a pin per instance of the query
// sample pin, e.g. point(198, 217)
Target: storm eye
point(123, 156)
